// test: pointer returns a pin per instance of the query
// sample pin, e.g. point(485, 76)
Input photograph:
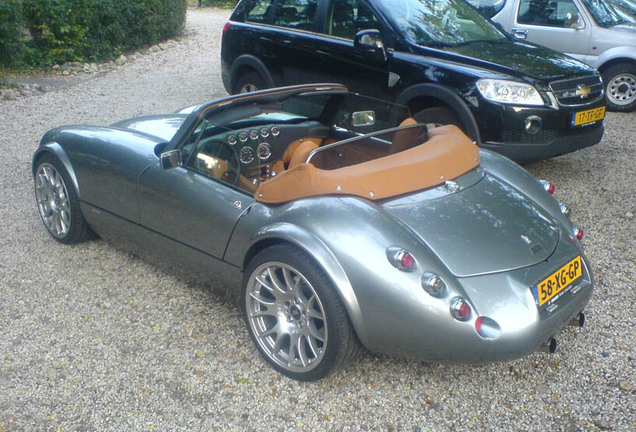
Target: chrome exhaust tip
point(550, 346)
point(578, 321)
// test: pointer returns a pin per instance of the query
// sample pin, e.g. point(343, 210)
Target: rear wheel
point(249, 82)
point(295, 316)
point(438, 116)
point(620, 87)
point(58, 204)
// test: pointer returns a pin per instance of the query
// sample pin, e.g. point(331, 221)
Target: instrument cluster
point(252, 144)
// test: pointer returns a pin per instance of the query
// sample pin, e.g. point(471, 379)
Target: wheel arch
point(421, 96)
point(55, 150)
point(615, 61)
point(246, 63)
point(287, 233)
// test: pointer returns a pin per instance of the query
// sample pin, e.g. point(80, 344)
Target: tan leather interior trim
point(447, 154)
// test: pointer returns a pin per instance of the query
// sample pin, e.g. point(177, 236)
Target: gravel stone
point(95, 339)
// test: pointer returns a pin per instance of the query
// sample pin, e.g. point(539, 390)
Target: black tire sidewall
point(335, 312)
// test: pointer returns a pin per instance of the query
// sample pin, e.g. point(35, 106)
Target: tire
point(249, 82)
point(295, 316)
point(58, 204)
point(620, 87)
point(438, 116)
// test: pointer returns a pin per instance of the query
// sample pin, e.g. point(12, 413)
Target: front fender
point(621, 54)
point(56, 150)
point(450, 98)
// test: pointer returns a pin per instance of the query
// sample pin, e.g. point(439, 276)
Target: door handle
point(519, 33)
point(325, 53)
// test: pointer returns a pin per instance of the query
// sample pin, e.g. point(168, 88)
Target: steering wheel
point(222, 160)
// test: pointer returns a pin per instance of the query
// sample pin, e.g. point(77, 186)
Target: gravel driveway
point(94, 339)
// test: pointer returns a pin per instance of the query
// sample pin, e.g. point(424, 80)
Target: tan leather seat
point(302, 151)
point(407, 138)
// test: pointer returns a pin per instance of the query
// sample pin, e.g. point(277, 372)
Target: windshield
point(439, 22)
point(603, 13)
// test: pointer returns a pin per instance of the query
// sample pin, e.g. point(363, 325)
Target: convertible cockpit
point(300, 146)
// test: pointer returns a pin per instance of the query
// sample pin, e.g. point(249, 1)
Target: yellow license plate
point(589, 116)
point(558, 281)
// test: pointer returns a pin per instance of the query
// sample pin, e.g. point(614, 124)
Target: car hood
point(163, 126)
point(487, 227)
point(515, 58)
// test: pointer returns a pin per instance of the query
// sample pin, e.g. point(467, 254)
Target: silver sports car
point(343, 221)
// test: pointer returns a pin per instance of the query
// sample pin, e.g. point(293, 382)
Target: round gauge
point(246, 155)
point(242, 136)
point(275, 130)
point(264, 151)
point(254, 134)
point(264, 132)
point(231, 140)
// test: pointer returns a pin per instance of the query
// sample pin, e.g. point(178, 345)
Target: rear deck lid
point(486, 227)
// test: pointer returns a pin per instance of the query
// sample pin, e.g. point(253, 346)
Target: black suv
point(440, 58)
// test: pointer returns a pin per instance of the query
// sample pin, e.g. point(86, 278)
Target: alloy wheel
point(53, 200)
point(286, 316)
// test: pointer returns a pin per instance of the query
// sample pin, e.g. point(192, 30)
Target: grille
point(544, 136)
point(578, 91)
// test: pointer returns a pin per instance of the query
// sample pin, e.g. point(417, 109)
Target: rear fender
point(284, 232)
point(250, 62)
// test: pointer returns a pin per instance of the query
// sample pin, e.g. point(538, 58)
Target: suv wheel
point(438, 116)
point(620, 82)
point(249, 82)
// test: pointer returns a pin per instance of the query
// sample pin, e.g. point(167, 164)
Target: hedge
point(43, 32)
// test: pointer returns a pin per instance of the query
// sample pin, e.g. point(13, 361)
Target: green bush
point(10, 34)
point(86, 30)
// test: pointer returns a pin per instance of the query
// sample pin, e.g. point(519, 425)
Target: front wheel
point(58, 204)
point(620, 87)
point(295, 316)
point(438, 116)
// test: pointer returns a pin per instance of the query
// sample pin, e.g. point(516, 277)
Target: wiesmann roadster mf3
point(343, 221)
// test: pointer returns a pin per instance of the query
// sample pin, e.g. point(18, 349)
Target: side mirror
point(171, 159)
point(371, 40)
point(573, 20)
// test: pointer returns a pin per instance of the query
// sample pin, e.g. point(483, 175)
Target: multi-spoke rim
point(286, 317)
point(621, 90)
point(53, 200)
point(248, 88)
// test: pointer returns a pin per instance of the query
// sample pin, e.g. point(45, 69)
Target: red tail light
point(401, 259)
point(549, 187)
point(460, 309)
point(578, 233)
point(226, 27)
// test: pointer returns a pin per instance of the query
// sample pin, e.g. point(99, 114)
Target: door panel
point(190, 207)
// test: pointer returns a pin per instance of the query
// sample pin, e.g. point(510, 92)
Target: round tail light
point(549, 187)
point(578, 233)
point(460, 309)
